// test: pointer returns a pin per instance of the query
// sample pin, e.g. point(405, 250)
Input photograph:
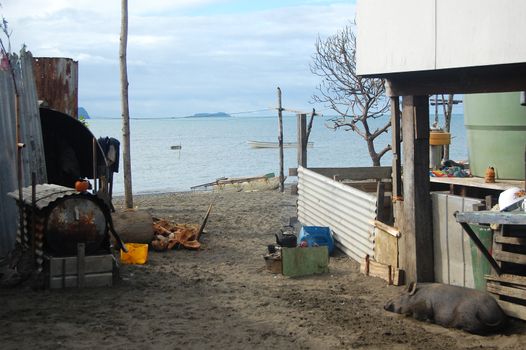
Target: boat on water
point(267, 144)
point(247, 184)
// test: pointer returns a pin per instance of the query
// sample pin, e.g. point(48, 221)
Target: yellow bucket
point(137, 254)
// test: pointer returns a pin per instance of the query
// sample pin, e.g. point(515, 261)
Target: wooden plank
point(493, 217)
point(496, 288)
point(380, 270)
point(386, 248)
point(364, 186)
point(398, 277)
point(418, 235)
point(507, 278)
point(477, 182)
point(513, 310)
point(509, 257)
point(91, 281)
point(93, 264)
point(440, 237)
point(356, 173)
point(510, 240)
point(393, 231)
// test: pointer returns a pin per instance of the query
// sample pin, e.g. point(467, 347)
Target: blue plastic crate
point(317, 236)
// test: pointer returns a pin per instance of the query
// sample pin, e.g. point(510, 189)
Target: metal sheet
point(57, 83)
point(348, 211)
point(45, 194)
point(31, 135)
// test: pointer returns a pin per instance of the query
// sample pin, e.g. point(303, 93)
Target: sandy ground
point(222, 297)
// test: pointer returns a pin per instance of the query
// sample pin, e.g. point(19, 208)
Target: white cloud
point(178, 62)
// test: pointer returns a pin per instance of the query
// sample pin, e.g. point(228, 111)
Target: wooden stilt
point(418, 234)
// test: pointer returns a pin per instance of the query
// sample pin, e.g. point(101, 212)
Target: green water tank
point(496, 134)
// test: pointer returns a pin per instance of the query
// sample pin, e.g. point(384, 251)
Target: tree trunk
point(447, 121)
point(372, 153)
point(128, 196)
point(133, 226)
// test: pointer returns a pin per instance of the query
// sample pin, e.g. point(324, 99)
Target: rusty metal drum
point(75, 219)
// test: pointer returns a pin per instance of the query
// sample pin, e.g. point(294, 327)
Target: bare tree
point(128, 196)
point(355, 99)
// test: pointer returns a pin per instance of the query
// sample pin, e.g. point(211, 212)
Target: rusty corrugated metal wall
point(57, 83)
point(31, 135)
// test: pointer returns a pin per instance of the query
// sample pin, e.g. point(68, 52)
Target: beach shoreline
point(222, 296)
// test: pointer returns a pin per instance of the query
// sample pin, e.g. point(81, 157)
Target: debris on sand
point(168, 235)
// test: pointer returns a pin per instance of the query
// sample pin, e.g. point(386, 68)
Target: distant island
point(210, 115)
point(82, 112)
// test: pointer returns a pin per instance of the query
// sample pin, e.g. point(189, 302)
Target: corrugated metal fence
point(348, 211)
point(31, 135)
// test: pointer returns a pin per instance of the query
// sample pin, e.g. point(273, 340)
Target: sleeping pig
point(450, 306)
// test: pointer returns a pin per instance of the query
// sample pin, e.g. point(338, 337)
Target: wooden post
point(418, 235)
point(81, 265)
point(395, 127)
point(302, 140)
point(280, 142)
point(128, 196)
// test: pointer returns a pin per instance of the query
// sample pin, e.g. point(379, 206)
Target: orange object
point(489, 177)
point(137, 254)
point(82, 185)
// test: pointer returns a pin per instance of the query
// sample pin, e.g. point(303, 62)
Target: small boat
point(266, 144)
point(247, 184)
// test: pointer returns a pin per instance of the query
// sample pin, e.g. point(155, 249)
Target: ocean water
point(217, 147)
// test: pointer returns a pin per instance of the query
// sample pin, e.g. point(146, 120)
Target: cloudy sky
point(184, 56)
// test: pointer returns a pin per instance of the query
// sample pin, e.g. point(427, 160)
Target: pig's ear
point(411, 288)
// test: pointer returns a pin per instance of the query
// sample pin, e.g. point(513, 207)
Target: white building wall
point(414, 35)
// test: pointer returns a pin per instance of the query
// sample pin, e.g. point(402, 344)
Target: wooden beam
point(393, 231)
point(417, 230)
point(496, 288)
point(395, 147)
point(302, 140)
point(510, 240)
point(508, 278)
point(356, 173)
point(509, 257)
point(513, 310)
point(466, 80)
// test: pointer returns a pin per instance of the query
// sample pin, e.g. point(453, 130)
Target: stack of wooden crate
point(509, 250)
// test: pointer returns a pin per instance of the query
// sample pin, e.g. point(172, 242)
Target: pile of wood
point(169, 235)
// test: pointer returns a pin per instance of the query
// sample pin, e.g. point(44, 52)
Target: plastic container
point(495, 125)
point(317, 236)
point(137, 254)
